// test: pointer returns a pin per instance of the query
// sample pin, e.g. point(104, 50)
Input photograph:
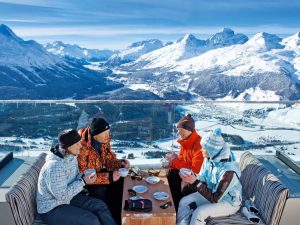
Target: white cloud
point(93, 31)
point(39, 3)
point(19, 20)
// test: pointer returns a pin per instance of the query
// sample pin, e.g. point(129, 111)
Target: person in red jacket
point(189, 156)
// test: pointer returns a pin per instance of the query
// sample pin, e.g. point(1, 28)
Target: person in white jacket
point(59, 198)
point(216, 190)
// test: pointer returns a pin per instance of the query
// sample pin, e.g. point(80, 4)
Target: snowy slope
point(262, 68)
point(264, 42)
point(224, 66)
point(28, 71)
point(292, 44)
point(134, 51)
point(254, 94)
point(189, 46)
point(75, 51)
point(263, 53)
point(17, 52)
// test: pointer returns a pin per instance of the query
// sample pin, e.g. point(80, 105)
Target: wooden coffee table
point(157, 216)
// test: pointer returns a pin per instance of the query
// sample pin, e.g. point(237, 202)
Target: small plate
point(152, 180)
point(140, 189)
point(136, 197)
point(161, 195)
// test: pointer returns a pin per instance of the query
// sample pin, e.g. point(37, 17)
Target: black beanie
point(68, 138)
point(187, 123)
point(98, 125)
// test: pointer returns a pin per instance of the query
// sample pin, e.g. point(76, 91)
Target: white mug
point(123, 172)
point(185, 171)
point(164, 162)
point(90, 173)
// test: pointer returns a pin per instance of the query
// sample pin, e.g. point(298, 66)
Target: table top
point(162, 185)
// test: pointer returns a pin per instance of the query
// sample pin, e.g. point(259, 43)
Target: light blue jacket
point(59, 181)
point(212, 172)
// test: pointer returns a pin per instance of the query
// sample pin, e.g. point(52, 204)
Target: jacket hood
point(86, 136)
point(55, 153)
point(226, 160)
point(224, 153)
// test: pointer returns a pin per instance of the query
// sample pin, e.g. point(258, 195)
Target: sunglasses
point(153, 172)
point(134, 174)
point(166, 205)
point(135, 170)
point(136, 177)
point(131, 192)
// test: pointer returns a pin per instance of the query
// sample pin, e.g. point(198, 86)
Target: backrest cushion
point(21, 196)
point(260, 185)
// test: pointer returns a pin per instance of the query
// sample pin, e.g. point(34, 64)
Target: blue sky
point(114, 24)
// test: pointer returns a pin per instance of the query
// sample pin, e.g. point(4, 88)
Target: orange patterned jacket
point(89, 158)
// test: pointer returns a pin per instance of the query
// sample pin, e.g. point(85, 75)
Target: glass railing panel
point(261, 128)
point(143, 131)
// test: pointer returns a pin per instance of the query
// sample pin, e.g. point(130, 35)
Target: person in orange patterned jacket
point(96, 154)
point(189, 156)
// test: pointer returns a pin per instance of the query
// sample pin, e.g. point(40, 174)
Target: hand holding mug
point(89, 179)
point(188, 177)
point(170, 156)
point(123, 172)
point(165, 163)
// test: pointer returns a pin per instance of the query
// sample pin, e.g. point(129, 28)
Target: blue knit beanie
point(213, 142)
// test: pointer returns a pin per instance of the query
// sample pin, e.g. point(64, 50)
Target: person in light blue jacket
point(59, 198)
point(217, 190)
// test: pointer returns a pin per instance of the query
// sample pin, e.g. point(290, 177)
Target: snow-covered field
point(280, 126)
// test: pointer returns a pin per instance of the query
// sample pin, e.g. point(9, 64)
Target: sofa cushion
point(237, 219)
point(261, 186)
point(21, 196)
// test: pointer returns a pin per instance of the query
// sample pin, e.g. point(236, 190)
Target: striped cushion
point(268, 193)
point(21, 196)
point(236, 219)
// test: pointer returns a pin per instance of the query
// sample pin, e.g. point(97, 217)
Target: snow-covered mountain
point(292, 42)
point(225, 66)
point(27, 70)
point(75, 51)
point(262, 64)
point(134, 51)
point(255, 56)
point(226, 37)
point(17, 52)
point(262, 42)
point(292, 45)
point(188, 47)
